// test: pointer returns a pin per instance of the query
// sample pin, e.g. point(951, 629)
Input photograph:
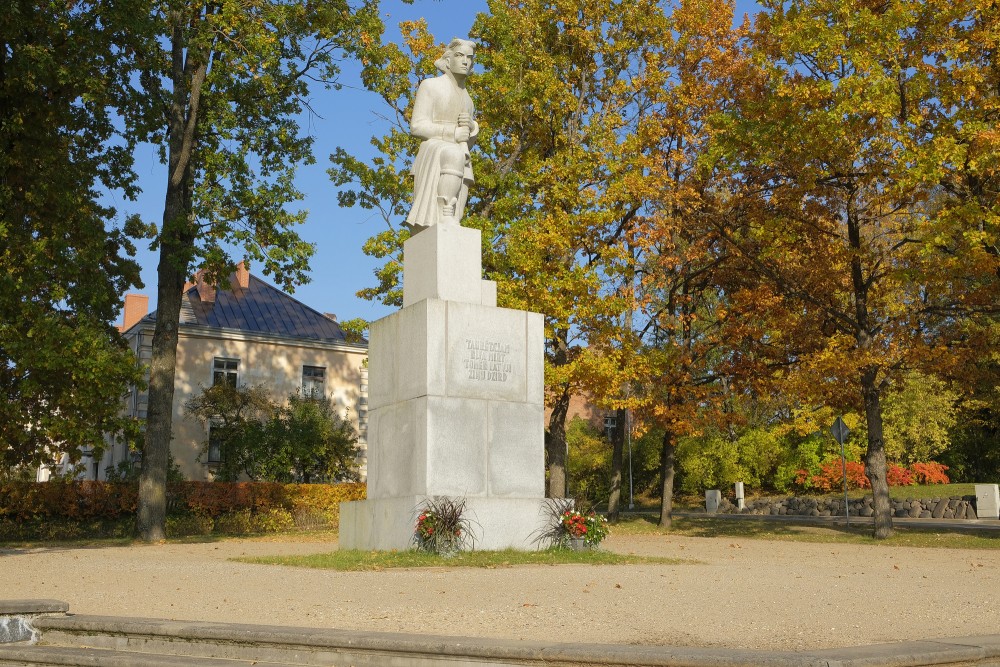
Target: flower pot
point(578, 544)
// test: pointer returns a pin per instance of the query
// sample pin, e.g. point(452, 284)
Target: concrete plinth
point(494, 523)
point(455, 397)
point(988, 501)
point(445, 262)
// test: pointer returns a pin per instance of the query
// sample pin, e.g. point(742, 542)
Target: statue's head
point(458, 57)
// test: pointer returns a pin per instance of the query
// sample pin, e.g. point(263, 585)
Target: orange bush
point(898, 476)
point(831, 476)
point(930, 473)
point(33, 501)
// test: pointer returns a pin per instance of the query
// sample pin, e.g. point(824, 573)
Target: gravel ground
point(736, 594)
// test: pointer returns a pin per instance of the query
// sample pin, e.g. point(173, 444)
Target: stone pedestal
point(713, 498)
point(988, 501)
point(455, 404)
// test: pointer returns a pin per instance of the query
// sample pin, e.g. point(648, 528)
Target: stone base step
point(77, 641)
point(24, 655)
point(265, 645)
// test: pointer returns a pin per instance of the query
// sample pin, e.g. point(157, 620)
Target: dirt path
point(740, 593)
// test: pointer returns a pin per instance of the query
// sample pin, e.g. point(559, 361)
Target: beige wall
point(276, 364)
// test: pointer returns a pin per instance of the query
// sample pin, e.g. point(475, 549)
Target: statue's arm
point(474, 130)
point(422, 122)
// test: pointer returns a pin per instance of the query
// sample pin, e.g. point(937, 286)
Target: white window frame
point(225, 370)
point(310, 391)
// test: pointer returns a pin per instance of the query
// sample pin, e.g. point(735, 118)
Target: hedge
point(66, 510)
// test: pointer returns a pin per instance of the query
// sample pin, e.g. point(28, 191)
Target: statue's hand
point(462, 134)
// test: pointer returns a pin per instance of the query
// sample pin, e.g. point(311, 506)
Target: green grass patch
point(765, 529)
point(353, 560)
point(930, 491)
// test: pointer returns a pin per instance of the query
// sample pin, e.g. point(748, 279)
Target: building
point(245, 332)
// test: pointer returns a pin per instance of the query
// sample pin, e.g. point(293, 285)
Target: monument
point(455, 384)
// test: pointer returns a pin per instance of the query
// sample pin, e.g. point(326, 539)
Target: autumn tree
point(675, 257)
point(559, 95)
point(65, 258)
point(963, 65)
point(229, 81)
point(836, 150)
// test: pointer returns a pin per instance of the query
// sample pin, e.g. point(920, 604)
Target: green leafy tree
point(919, 416)
point(589, 462)
point(309, 442)
point(304, 440)
point(236, 418)
point(228, 82)
point(65, 70)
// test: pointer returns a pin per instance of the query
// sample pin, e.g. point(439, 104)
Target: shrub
point(831, 476)
point(190, 524)
point(930, 473)
point(245, 522)
point(71, 509)
point(899, 476)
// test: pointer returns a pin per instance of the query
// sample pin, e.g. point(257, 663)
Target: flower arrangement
point(568, 526)
point(574, 523)
point(440, 527)
point(591, 527)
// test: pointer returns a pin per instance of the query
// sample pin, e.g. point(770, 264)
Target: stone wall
point(956, 507)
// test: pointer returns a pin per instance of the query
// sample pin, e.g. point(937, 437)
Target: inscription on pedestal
point(486, 353)
point(487, 360)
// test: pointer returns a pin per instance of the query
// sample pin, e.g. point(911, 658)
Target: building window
point(215, 437)
point(610, 424)
point(225, 371)
point(313, 381)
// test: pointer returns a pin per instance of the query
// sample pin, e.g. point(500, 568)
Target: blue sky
point(348, 118)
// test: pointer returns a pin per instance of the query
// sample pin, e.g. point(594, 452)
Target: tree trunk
point(159, 420)
point(555, 437)
point(617, 455)
point(177, 244)
point(555, 447)
point(875, 464)
point(176, 248)
point(667, 479)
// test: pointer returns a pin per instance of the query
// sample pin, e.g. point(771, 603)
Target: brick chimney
point(136, 307)
point(206, 291)
point(241, 279)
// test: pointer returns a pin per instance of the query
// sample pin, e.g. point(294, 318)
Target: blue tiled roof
point(265, 309)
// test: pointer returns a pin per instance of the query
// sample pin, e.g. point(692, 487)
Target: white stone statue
point(444, 117)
